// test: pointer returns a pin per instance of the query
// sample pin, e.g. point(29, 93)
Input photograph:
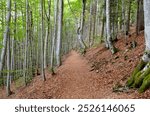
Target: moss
point(145, 84)
point(138, 82)
point(135, 78)
point(139, 67)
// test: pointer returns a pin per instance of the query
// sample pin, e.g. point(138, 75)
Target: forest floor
point(91, 76)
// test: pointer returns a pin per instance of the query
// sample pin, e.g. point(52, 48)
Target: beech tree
point(59, 33)
point(42, 42)
point(81, 27)
point(8, 91)
point(109, 38)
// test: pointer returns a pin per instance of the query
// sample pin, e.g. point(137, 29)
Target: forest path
point(77, 80)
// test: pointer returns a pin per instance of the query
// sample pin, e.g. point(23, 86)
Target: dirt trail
point(78, 81)
point(73, 80)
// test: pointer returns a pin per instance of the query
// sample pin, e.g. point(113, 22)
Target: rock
point(126, 51)
point(92, 69)
point(97, 71)
point(116, 57)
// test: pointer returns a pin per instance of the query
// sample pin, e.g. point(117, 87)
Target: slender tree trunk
point(26, 43)
point(54, 36)
point(45, 48)
point(110, 44)
point(13, 42)
point(124, 21)
point(8, 91)
point(128, 18)
point(90, 23)
point(42, 43)
point(81, 27)
point(94, 22)
point(140, 17)
point(59, 33)
point(46, 42)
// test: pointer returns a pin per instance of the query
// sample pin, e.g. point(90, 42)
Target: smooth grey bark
point(46, 41)
point(147, 23)
point(26, 43)
point(146, 55)
point(45, 48)
point(81, 27)
point(54, 36)
point(8, 91)
point(59, 33)
point(42, 43)
point(13, 41)
point(94, 22)
point(110, 44)
point(6, 36)
point(90, 23)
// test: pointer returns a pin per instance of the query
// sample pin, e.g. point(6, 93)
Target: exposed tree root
point(139, 67)
point(140, 77)
point(145, 85)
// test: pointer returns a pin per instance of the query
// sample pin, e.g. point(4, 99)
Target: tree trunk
point(45, 48)
point(128, 18)
point(90, 23)
point(59, 33)
point(42, 43)
point(140, 17)
point(8, 91)
point(81, 27)
point(13, 42)
point(54, 36)
point(110, 44)
point(26, 43)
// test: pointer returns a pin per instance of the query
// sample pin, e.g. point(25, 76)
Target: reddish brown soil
point(90, 76)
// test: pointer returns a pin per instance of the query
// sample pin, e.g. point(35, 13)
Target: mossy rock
point(145, 85)
point(139, 67)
